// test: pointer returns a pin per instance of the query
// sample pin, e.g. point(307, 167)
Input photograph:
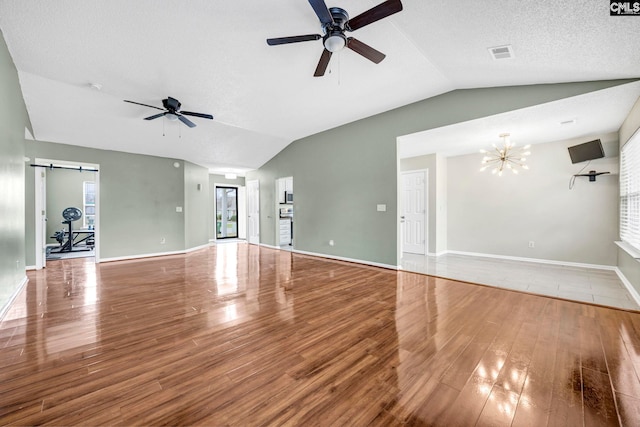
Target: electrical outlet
point(331, 243)
point(532, 244)
point(163, 241)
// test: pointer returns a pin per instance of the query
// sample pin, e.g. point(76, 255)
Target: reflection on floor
point(575, 283)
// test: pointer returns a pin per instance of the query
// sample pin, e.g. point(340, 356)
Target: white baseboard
point(30, 267)
point(197, 248)
point(437, 253)
point(268, 246)
point(153, 255)
point(339, 258)
point(537, 260)
point(627, 284)
point(5, 309)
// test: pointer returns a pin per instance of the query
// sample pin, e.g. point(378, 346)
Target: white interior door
point(414, 212)
point(253, 211)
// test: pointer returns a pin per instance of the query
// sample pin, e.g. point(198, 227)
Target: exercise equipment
point(69, 240)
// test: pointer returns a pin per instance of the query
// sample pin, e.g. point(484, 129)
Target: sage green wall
point(213, 180)
point(64, 189)
point(13, 121)
point(341, 174)
point(138, 199)
point(628, 265)
point(501, 215)
point(197, 206)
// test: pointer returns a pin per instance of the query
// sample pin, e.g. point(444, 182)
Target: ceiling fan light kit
point(172, 112)
point(335, 21)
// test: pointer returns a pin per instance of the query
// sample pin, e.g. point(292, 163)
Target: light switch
point(178, 208)
point(382, 208)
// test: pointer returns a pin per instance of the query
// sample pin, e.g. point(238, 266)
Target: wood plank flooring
point(242, 335)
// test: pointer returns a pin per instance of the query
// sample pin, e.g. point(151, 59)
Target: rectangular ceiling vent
point(501, 52)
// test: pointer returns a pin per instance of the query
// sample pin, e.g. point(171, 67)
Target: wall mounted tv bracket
point(592, 175)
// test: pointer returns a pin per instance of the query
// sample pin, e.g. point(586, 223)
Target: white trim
point(437, 254)
point(627, 284)
point(339, 258)
point(633, 252)
point(269, 246)
point(30, 267)
point(9, 303)
point(537, 260)
point(197, 248)
point(153, 255)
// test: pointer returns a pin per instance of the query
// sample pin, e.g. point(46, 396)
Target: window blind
point(630, 192)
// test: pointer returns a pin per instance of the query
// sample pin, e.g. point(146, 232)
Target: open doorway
point(226, 212)
point(66, 206)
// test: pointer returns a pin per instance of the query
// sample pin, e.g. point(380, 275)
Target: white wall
point(630, 266)
point(501, 215)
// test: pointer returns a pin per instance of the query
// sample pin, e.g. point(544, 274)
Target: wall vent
point(501, 52)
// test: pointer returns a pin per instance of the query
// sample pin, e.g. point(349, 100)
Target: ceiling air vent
point(501, 52)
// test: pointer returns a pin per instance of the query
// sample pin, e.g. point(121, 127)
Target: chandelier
point(505, 157)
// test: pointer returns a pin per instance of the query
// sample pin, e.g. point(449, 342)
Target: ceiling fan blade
point(202, 115)
point(186, 121)
point(145, 105)
point(321, 9)
point(374, 14)
point(155, 116)
point(322, 64)
point(365, 50)
point(293, 39)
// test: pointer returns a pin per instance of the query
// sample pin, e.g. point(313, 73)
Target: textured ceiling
point(212, 56)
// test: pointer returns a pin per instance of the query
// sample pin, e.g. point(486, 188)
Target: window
point(630, 192)
point(89, 204)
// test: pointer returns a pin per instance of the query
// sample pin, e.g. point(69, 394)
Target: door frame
point(41, 208)
point(215, 192)
point(253, 239)
point(242, 209)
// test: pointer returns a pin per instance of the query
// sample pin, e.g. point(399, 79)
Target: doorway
point(67, 197)
point(226, 212)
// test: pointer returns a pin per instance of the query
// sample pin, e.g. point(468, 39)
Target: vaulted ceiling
point(213, 57)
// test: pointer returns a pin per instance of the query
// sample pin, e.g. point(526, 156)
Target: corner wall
point(501, 215)
point(628, 265)
point(341, 174)
point(197, 209)
point(436, 167)
point(138, 199)
point(13, 121)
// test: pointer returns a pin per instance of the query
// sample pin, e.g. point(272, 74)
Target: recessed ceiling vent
point(501, 52)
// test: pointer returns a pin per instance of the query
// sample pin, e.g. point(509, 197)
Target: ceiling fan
point(335, 21)
point(172, 111)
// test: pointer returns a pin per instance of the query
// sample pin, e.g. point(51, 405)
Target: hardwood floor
point(243, 335)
